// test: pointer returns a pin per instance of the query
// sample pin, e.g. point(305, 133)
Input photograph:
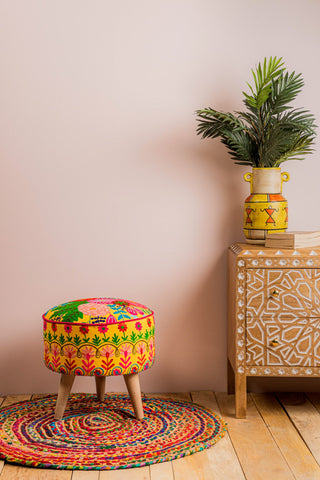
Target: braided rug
point(105, 435)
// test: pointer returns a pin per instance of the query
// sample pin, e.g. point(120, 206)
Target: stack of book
point(293, 240)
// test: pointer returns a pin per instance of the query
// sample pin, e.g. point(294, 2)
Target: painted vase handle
point(248, 178)
point(285, 177)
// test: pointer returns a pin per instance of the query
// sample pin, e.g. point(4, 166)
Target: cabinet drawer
point(284, 293)
point(288, 343)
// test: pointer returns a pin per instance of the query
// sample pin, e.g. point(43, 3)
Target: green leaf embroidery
point(115, 339)
point(133, 337)
point(96, 340)
point(68, 310)
point(77, 340)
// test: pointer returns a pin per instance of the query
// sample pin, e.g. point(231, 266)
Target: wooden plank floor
point(279, 440)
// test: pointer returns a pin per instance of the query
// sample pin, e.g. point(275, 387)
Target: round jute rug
point(105, 435)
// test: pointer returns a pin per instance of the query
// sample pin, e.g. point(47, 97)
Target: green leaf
point(270, 131)
point(96, 340)
point(133, 337)
point(115, 339)
point(77, 340)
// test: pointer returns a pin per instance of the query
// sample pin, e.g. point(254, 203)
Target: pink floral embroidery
point(151, 349)
point(107, 351)
point(87, 363)
point(103, 328)
point(126, 349)
point(87, 352)
point(45, 325)
point(54, 327)
point(46, 349)
point(141, 348)
point(125, 360)
point(132, 310)
point(70, 351)
point(149, 322)
point(111, 319)
point(138, 326)
point(68, 328)
point(55, 350)
point(94, 309)
point(101, 300)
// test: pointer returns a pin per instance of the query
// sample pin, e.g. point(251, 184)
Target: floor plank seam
point(230, 438)
point(296, 428)
point(273, 437)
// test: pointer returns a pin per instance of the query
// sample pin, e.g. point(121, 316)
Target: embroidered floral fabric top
point(96, 311)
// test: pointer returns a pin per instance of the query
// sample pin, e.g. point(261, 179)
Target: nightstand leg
point(230, 378)
point(241, 395)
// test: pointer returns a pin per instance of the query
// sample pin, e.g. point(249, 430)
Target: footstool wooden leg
point(100, 387)
point(133, 386)
point(64, 391)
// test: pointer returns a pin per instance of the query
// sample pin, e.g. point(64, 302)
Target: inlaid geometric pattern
point(285, 294)
point(283, 306)
point(274, 342)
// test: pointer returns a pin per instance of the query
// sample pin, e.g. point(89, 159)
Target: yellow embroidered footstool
point(99, 337)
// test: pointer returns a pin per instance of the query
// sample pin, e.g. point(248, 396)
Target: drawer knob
point(274, 343)
point(275, 293)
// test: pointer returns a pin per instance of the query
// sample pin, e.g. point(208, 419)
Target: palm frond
point(270, 131)
point(284, 90)
point(263, 77)
point(212, 122)
point(241, 147)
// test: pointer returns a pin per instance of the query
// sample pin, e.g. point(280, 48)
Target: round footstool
point(99, 337)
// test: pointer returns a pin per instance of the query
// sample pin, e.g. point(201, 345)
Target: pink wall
point(106, 190)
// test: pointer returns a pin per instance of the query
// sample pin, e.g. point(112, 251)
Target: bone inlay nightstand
point(273, 315)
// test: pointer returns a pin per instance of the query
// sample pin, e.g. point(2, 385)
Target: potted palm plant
point(267, 134)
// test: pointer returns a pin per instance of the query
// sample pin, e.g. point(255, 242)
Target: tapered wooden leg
point(241, 395)
point(100, 387)
point(133, 386)
point(66, 382)
point(231, 378)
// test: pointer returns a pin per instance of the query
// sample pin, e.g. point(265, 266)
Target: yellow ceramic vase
point(265, 210)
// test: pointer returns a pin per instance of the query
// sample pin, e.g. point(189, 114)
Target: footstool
point(99, 337)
